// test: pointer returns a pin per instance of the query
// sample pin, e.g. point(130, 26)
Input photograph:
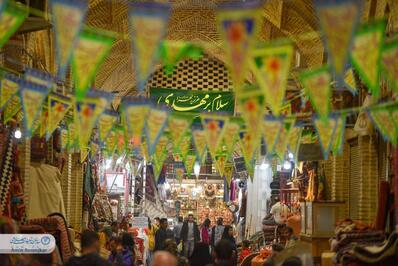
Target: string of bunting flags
point(141, 127)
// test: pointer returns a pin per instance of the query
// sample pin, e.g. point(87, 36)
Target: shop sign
point(140, 222)
point(194, 101)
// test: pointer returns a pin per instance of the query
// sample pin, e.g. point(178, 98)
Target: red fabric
point(381, 217)
point(204, 232)
point(245, 252)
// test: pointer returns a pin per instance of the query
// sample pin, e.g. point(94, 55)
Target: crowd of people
point(194, 244)
point(188, 244)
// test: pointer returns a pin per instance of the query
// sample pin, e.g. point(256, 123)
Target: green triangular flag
point(271, 130)
point(338, 138)
point(189, 163)
point(384, 122)
point(156, 123)
point(366, 54)
point(325, 130)
point(11, 18)
point(316, 85)
point(91, 49)
point(389, 59)
point(221, 160)
point(199, 140)
point(271, 67)
point(213, 126)
point(178, 125)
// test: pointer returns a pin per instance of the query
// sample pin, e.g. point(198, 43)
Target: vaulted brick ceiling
point(195, 20)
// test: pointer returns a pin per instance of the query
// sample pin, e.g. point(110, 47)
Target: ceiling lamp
point(287, 165)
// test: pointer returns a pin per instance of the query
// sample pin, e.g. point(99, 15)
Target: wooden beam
point(32, 24)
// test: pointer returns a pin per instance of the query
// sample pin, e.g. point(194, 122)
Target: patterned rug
point(6, 171)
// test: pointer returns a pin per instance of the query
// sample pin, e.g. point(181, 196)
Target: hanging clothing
point(45, 192)
point(233, 195)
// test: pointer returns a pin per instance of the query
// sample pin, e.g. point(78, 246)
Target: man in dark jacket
point(162, 234)
point(90, 252)
point(189, 235)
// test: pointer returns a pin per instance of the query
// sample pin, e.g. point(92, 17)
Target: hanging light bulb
point(287, 165)
point(18, 133)
point(108, 163)
point(196, 169)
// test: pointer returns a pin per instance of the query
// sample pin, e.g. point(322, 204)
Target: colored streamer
point(9, 87)
point(11, 19)
point(238, 26)
point(149, 23)
point(91, 49)
point(338, 20)
point(325, 130)
point(366, 54)
point(316, 84)
point(389, 59)
point(58, 106)
point(156, 122)
point(32, 98)
point(67, 17)
point(213, 127)
point(271, 67)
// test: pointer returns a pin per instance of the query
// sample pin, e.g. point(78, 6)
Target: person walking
point(162, 234)
point(228, 235)
point(150, 231)
point(189, 235)
point(204, 232)
point(177, 230)
point(216, 232)
point(121, 254)
point(90, 247)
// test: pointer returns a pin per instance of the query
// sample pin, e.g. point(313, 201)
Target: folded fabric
point(359, 235)
point(375, 254)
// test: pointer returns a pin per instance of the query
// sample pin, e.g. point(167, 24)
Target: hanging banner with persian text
point(194, 101)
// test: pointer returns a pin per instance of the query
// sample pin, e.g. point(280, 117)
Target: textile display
point(384, 254)
point(102, 208)
point(6, 169)
point(45, 192)
point(350, 233)
point(258, 190)
point(56, 225)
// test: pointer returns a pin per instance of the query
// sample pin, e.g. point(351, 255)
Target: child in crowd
point(291, 240)
point(245, 250)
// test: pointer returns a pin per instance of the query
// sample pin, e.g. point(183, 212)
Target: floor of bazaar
point(198, 133)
